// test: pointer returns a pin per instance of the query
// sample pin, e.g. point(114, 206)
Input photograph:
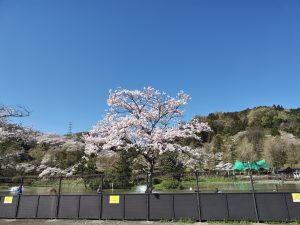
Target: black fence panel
point(241, 206)
point(136, 207)
point(213, 206)
point(293, 207)
point(272, 207)
point(28, 206)
point(90, 206)
point(68, 206)
point(185, 206)
point(8, 206)
point(161, 206)
point(113, 207)
point(47, 207)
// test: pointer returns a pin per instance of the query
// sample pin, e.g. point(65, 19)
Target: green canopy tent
point(259, 165)
point(263, 164)
point(238, 165)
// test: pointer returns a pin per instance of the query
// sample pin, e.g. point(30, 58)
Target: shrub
point(171, 184)
point(16, 179)
point(66, 159)
point(157, 181)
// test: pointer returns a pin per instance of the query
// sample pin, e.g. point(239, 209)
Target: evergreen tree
point(170, 165)
point(121, 174)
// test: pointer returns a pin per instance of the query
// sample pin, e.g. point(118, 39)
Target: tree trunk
point(150, 177)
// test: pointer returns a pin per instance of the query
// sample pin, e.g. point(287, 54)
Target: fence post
point(58, 198)
point(281, 179)
point(19, 197)
point(148, 198)
point(198, 197)
point(227, 206)
point(124, 202)
point(59, 187)
point(101, 196)
point(37, 207)
point(287, 208)
point(251, 181)
point(78, 209)
point(253, 195)
point(173, 206)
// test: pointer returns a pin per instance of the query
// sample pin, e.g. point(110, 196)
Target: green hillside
point(271, 133)
point(263, 132)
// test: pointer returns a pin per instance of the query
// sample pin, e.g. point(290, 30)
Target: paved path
point(102, 222)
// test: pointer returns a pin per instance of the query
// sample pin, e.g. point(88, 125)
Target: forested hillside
point(271, 133)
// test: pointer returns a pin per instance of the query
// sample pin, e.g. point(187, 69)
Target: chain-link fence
point(183, 182)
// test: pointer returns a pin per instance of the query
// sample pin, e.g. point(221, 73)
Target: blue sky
point(60, 57)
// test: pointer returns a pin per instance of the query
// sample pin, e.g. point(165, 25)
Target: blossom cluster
point(147, 120)
point(13, 131)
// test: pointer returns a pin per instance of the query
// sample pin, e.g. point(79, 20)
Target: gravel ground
point(85, 222)
point(100, 222)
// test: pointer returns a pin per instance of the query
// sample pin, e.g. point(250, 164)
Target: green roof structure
point(254, 165)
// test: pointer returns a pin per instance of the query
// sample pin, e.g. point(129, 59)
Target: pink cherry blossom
point(148, 120)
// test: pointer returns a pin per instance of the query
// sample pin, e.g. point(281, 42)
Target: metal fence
point(168, 206)
point(186, 183)
point(101, 203)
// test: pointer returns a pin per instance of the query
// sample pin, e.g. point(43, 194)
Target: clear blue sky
point(60, 57)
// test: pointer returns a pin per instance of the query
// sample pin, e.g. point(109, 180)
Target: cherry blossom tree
point(13, 111)
point(8, 130)
point(147, 120)
point(17, 132)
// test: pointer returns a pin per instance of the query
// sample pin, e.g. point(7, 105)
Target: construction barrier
point(262, 207)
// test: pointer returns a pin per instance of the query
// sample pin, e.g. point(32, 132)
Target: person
point(52, 191)
point(20, 189)
point(99, 189)
point(149, 189)
point(218, 191)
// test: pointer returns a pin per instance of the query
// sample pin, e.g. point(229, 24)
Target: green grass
point(186, 220)
point(230, 221)
point(46, 183)
point(165, 221)
point(181, 220)
point(186, 183)
point(276, 222)
point(216, 179)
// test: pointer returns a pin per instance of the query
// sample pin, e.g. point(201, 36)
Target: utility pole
point(70, 128)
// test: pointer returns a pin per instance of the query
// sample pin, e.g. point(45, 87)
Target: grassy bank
point(49, 182)
point(165, 183)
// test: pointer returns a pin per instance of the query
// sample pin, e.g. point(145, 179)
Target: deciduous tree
point(147, 120)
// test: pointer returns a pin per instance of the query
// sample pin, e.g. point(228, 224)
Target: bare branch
point(13, 111)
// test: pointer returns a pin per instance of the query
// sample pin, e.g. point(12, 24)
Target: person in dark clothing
point(218, 191)
point(20, 189)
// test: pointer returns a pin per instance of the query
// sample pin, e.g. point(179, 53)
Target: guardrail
point(259, 207)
